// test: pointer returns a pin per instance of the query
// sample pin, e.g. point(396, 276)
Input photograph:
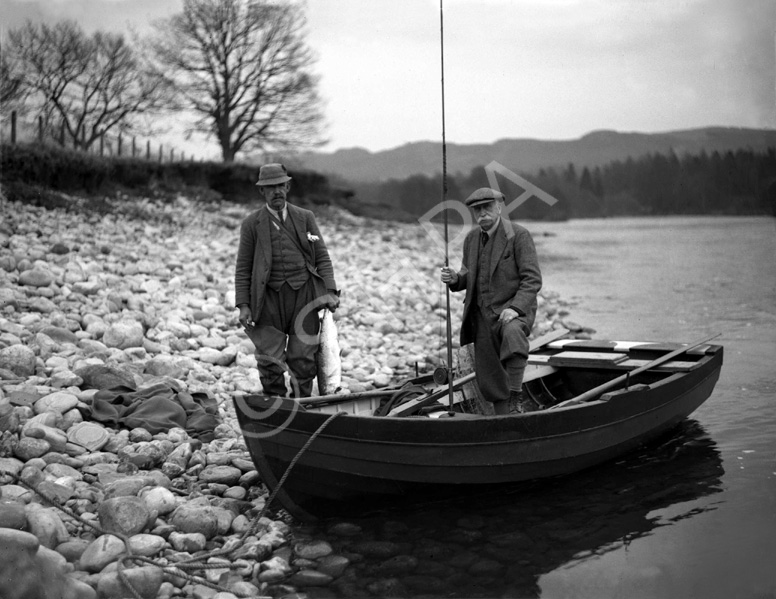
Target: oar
point(591, 394)
point(339, 397)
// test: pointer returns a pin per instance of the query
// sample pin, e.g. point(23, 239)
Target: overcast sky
point(545, 69)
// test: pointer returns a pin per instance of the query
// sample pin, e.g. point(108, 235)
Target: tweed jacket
point(254, 255)
point(515, 278)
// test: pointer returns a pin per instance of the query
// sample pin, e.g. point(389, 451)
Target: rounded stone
point(137, 435)
point(196, 518)
point(99, 376)
point(63, 470)
point(73, 549)
point(29, 448)
point(146, 545)
point(17, 540)
point(46, 524)
point(310, 578)
point(61, 335)
point(12, 515)
point(101, 552)
point(78, 589)
point(187, 541)
point(312, 550)
point(59, 402)
point(333, 565)
point(19, 359)
point(235, 493)
point(159, 500)
point(89, 435)
point(225, 475)
point(124, 334)
point(125, 515)
point(146, 581)
point(36, 277)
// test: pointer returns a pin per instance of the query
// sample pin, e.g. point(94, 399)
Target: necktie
point(484, 238)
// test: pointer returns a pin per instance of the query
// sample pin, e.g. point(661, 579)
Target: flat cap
point(483, 195)
point(272, 174)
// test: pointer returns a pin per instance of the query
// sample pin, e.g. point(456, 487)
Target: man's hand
point(449, 276)
point(245, 317)
point(507, 315)
point(332, 302)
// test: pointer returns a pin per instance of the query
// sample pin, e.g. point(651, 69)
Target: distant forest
point(732, 183)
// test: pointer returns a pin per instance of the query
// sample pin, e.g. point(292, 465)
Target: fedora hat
point(272, 174)
point(483, 195)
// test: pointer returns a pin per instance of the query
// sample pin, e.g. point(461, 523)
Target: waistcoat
point(484, 294)
point(288, 263)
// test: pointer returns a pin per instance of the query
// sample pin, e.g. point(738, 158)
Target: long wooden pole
point(448, 320)
point(591, 394)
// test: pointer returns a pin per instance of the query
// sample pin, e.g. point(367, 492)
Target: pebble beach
point(140, 297)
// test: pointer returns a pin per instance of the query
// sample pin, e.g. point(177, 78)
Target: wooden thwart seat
point(614, 361)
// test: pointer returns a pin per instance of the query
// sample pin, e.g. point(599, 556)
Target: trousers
point(286, 339)
point(500, 354)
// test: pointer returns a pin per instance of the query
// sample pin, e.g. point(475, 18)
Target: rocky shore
point(109, 309)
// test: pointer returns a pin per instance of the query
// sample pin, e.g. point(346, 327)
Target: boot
point(519, 404)
point(501, 408)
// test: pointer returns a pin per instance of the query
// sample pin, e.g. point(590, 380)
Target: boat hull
point(354, 456)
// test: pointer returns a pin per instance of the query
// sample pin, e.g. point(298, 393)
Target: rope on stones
point(293, 462)
point(255, 523)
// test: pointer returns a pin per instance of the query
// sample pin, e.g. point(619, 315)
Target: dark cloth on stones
point(157, 408)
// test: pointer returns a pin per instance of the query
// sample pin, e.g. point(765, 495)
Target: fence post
point(172, 155)
point(13, 127)
point(40, 129)
point(62, 134)
point(160, 153)
point(148, 149)
point(102, 143)
point(119, 148)
point(133, 146)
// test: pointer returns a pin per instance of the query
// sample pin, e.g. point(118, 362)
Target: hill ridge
point(527, 155)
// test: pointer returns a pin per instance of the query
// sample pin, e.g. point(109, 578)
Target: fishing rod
point(449, 370)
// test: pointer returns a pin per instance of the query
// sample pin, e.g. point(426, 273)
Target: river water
point(692, 515)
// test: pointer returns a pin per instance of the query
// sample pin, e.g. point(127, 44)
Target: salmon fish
point(328, 356)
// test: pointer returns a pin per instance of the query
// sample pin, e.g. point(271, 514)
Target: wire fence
point(15, 130)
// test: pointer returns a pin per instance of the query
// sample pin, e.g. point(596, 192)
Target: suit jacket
point(254, 255)
point(515, 278)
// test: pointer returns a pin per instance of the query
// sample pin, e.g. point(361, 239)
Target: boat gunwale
point(499, 442)
point(670, 379)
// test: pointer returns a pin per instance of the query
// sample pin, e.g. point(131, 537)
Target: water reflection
point(499, 543)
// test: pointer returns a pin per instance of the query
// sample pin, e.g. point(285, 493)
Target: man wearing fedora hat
point(283, 276)
point(501, 276)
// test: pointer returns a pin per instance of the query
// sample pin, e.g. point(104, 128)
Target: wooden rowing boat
point(600, 398)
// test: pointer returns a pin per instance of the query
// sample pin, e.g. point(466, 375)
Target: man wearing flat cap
point(501, 276)
point(283, 276)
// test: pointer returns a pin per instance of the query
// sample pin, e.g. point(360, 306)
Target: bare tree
point(242, 67)
point(12, 89)
point(88, 85)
